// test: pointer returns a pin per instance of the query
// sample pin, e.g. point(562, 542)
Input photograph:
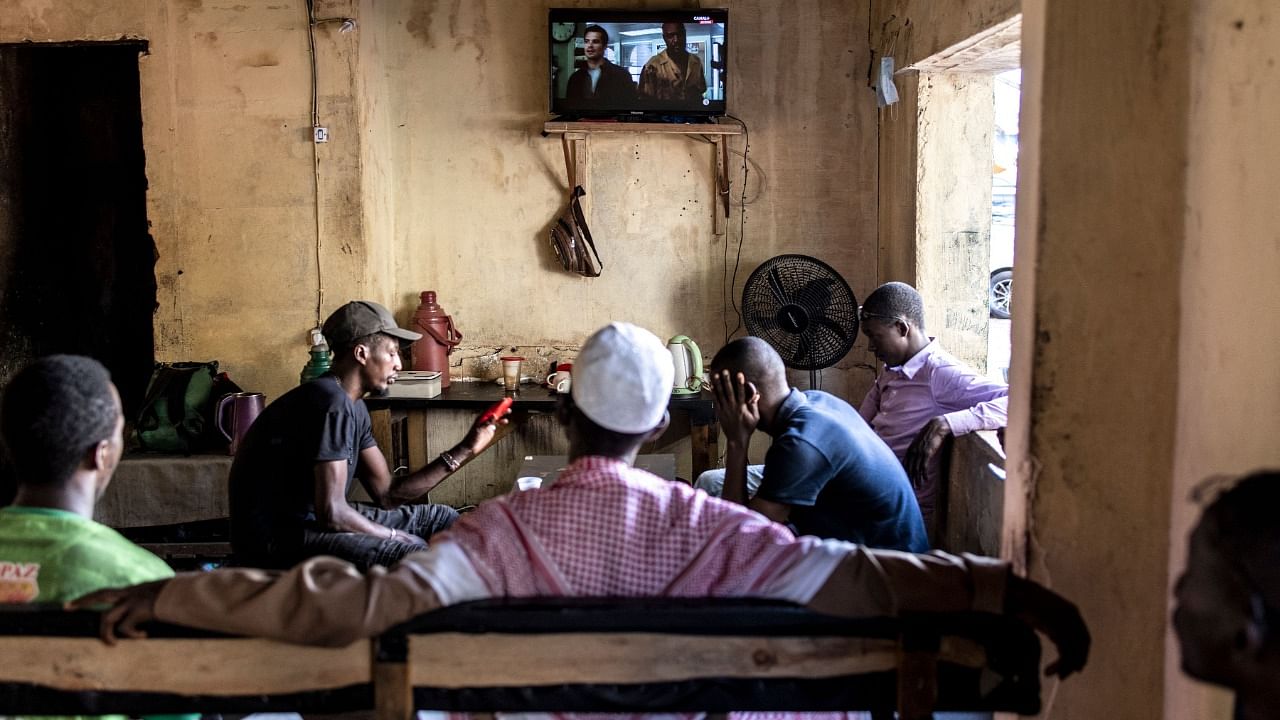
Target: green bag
point(176, 415)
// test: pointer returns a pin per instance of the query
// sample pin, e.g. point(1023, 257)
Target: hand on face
point(737, 405)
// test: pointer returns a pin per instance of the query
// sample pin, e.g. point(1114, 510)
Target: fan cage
point(790, 290)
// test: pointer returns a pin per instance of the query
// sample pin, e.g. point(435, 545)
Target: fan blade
point(804, 353)
point(835, 328)
point(775, 284)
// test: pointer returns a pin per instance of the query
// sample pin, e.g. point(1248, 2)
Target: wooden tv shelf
point(574, 136)
point(555, 127)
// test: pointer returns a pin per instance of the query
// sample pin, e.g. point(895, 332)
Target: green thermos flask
point(321, 358)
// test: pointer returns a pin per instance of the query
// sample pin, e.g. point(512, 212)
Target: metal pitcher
point(245, 408)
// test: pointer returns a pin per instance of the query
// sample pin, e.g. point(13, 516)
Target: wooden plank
point(206, 666)
point(917, 685)
point(382, 435)
point(705, 448)
point(188, 549)
point(416, 429)
point(392, 693)
point(720, 202)
point(458, 660)
point(717, 128)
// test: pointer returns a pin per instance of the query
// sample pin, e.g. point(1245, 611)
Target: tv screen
point(607, 63)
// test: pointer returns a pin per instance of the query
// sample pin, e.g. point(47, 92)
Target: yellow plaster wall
point(436, 176)
point(231, 186)
point(1228, 414)
point(476, 186)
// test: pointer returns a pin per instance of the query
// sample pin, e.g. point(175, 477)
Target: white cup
point(528, 483)
point(560, 381)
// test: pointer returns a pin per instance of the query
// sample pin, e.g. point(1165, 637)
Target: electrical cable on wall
point(742, 237)
point(319, 134)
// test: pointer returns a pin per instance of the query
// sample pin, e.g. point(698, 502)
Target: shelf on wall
point(576, 134)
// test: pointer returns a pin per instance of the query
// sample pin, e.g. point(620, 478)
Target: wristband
point(449, 462)
point(393, 534)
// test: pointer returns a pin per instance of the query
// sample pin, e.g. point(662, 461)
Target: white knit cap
point(622, 379)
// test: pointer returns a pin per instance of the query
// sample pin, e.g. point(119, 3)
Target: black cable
point(311, 42)
point(742, 231)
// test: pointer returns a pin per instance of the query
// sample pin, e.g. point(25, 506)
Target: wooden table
point(402, 425)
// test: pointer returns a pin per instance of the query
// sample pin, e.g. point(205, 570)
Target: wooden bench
point(569, 655)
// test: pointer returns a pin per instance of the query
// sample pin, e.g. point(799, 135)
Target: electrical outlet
point(321, 134)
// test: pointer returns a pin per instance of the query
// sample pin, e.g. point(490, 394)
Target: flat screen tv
point(664, 64)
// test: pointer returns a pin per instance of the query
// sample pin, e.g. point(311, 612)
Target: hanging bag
point(570, 238)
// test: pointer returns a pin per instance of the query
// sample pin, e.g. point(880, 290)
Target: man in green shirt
point(62, 427)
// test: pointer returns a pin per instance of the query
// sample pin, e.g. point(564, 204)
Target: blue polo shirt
point(839, 477)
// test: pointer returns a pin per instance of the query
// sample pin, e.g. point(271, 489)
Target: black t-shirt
point(273, 482)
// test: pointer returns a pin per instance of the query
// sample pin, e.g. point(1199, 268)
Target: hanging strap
point(450, 340)
point(589, 270)
point(570, 161)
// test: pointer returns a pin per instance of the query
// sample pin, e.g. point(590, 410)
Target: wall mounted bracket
point(576, 136)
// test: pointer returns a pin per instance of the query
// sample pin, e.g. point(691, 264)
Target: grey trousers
point(366, 551)
point(712, 481)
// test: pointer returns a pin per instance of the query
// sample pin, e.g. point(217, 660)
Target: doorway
point(76, 255)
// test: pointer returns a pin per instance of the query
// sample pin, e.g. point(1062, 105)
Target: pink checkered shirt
point(606, 529)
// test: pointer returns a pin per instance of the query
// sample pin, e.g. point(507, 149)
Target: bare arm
point(390, 491)
point(332, 510)
point(775, 511)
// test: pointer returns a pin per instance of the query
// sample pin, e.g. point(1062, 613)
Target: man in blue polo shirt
point(826, 473)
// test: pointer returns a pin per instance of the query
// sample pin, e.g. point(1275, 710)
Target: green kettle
point(687, 359)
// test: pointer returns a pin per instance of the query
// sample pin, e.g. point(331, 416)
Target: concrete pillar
point(1096, 329)
point(1229, 381)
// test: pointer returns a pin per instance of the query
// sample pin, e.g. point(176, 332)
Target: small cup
point(528, 483)
point(511, 372)
point(560, 380)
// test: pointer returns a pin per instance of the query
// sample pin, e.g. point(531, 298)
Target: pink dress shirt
point(932, 383)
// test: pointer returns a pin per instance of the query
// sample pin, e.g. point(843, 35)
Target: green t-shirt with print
point(49, 555)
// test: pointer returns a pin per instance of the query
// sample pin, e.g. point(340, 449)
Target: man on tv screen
point(599, 79)
point(673, 74)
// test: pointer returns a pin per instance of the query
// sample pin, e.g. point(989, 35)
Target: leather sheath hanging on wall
point(570, 238)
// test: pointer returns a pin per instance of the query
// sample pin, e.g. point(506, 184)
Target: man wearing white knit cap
point(603, 529)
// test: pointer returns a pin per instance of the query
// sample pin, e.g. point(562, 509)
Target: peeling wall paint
point(436, 176)
point(231, 197)
point(1228, 414)
point(476, 187)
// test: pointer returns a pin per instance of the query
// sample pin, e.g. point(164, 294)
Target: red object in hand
point(494, 413)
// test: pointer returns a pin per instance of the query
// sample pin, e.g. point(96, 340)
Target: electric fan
point(804, 309)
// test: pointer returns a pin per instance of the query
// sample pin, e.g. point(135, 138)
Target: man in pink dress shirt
point(924, 396)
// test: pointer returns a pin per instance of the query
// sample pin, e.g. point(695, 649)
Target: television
point(638, 64)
